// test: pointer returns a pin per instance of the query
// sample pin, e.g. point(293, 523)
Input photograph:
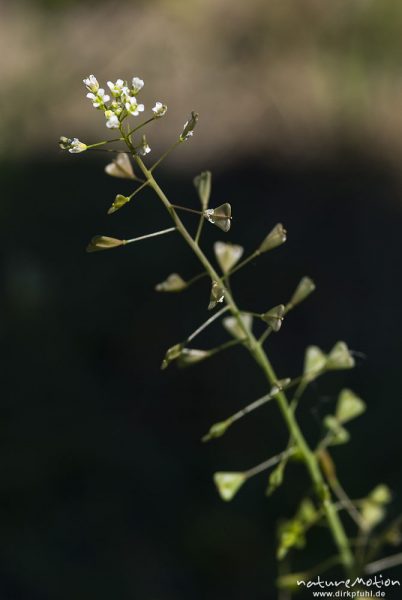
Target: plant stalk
point(334, 522)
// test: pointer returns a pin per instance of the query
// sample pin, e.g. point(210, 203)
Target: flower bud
point(64, 142)
point(91, 83)
point(275, 238)
point(102, 242)
point(228, 484)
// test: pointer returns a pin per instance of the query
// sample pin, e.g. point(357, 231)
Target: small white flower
point(99, 99)
point(91, 83)
point(138, 84)
point(112, 119)
point(159, 109)
point(76, 146)
point(116, 88)
point(133, 108)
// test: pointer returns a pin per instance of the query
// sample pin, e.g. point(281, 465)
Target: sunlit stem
point(197, 278)
point(135, 192)
point(225, 346)
point(384, 563)
point(150, 235)
point(119, 139)
point(377, 544)
point(335, 524)
point(114, 150)
point(271, 462)
point(299, 392)
point(207, 323)
point(165, 155)
point(190, 210)
point(130, 133)
point(199, 229)
point(350, 507)
point(252, 406)
point(329, 469)
point(265, 335)
point(323, 566)
point(243, 263)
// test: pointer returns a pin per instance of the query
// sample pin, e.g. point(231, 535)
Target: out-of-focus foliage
point(298, 79)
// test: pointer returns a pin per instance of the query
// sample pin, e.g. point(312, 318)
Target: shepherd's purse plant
point(358, 553)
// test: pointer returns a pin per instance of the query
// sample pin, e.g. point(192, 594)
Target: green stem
point(257, 351)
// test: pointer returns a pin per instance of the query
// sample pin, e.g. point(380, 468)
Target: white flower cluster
point(121, 102)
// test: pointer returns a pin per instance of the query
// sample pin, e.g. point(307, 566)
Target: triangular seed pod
point(118, 203)
point(227, 255)
point(102, 242)
point(231, 325)
point(190, 356)
point(217, 430)
point(220, 216)
point(120, 167)
point(274, 317)
point(173, 283)
point(228, 484)
point(339, 434)
point(217, 295)
point(172, 354)
point(314, 362)
point(203, 186)
point(275, 238)
point(349, 406)
point(340, 357)
point(303, 290)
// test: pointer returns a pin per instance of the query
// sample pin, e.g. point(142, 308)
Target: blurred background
point(105, 488)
